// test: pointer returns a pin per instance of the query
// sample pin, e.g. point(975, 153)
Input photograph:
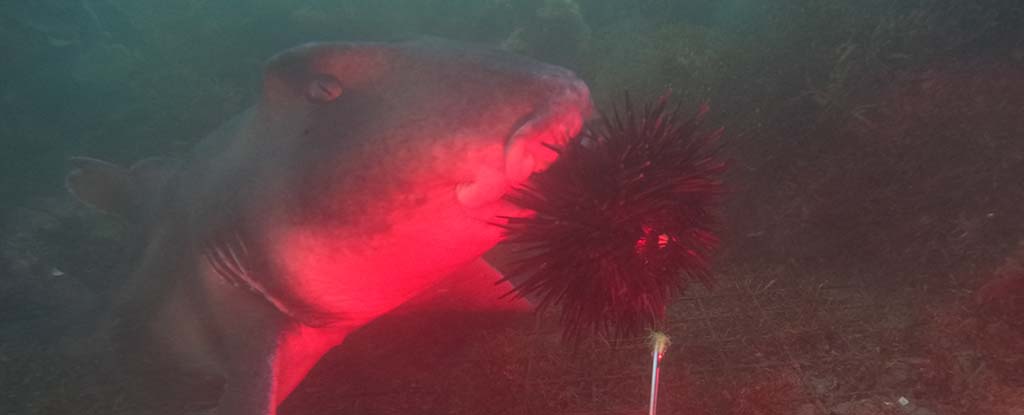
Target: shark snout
point(533, 145)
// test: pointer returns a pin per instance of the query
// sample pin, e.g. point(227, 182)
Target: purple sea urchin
point(623, 220)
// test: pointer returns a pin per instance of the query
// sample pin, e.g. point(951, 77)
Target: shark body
point(366, 179)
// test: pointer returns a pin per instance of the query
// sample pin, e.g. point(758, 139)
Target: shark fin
point(476, 287)
point(101, 185)
point(116, 190)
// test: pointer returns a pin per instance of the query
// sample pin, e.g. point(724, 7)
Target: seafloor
point(873, 258)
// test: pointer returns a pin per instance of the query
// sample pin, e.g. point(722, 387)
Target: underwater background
point(873, 259)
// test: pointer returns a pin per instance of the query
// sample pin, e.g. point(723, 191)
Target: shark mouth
point(530, 149)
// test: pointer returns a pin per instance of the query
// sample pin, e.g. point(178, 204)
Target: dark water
point(882, 143)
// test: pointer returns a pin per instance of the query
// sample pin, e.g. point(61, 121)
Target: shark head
point(368, 164)
point(368, 178)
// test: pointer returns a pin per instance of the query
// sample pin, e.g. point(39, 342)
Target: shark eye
point(323, 88)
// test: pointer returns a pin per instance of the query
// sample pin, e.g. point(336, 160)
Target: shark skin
point(368, 178)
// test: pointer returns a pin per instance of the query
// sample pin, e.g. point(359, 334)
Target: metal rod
point(659, 342)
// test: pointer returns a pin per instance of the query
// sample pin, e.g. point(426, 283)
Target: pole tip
point(659, 342)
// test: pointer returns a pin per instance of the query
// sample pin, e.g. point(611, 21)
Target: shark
point(367, 177)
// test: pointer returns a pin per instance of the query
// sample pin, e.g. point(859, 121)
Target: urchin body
point(623, 220)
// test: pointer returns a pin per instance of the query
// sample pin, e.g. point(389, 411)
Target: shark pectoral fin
point(152, 172)
point(439, 326)
point(102, 185)
point(476, 287)
point(503, 257)
point(268, 364)
point(262, 353)
point(148, 178)
point(116, 190)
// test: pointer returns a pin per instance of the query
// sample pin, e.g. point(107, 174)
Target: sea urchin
point(623, 220)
